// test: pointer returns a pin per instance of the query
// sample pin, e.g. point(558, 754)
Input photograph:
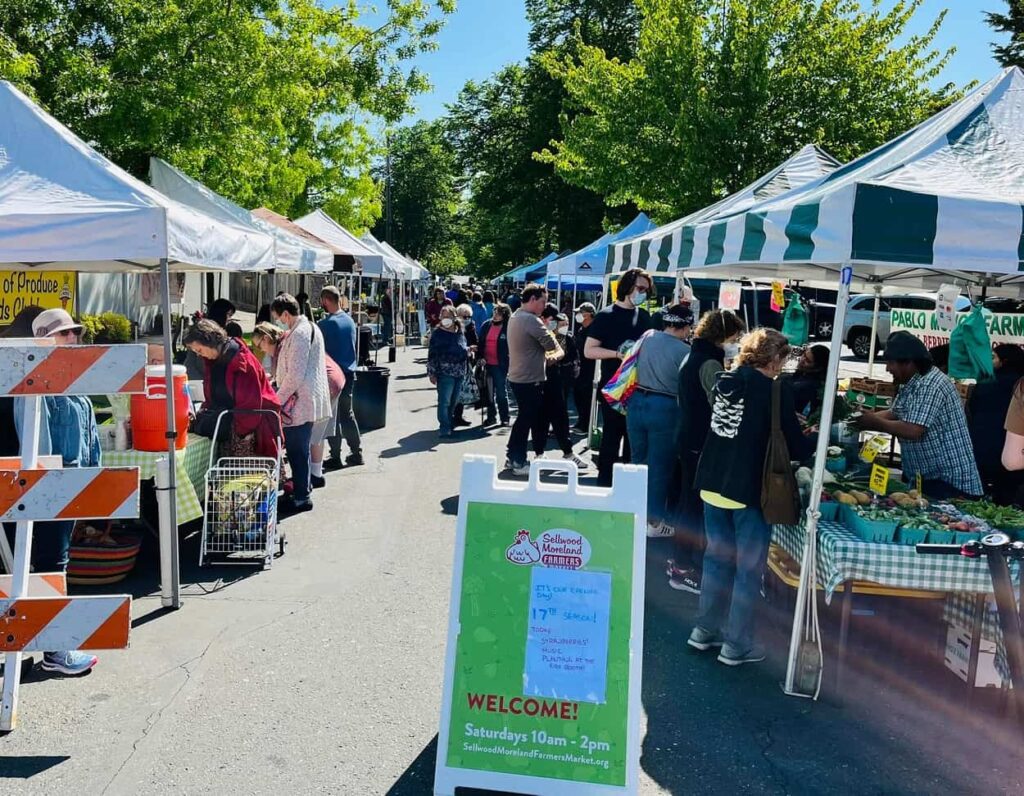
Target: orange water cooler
point(149, 410)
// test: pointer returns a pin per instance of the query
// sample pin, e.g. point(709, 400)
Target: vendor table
point(191, 464)
point(845, 558)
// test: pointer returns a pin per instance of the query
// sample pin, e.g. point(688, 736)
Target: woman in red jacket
point(235, 380)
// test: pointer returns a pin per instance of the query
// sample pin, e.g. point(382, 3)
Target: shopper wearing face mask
point(583, 387)
point(555, 410)
point(465, 319)
point(697, 376)
point(447, 357)
point(611, 335)
point(730, 480)
point(494, 350)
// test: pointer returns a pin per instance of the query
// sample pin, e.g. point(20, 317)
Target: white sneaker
point(659, 531)
point(572, 457)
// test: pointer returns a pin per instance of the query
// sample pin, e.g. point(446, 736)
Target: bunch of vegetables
point(1002, 517)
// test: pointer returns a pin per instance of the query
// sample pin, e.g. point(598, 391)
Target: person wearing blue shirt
point(480, 313)
point(339, 331)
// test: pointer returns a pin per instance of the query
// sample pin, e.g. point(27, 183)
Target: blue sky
point(484, 35)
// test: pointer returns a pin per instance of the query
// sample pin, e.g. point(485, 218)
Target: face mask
point(280, 324)
point(639, 297)
point(447, 323)
point(579, 317)
point(552, 325)
point(732, 350)
point(563, 329)
point(496, 319)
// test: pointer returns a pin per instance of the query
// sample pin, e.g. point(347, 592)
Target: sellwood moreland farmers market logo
point(558, 547)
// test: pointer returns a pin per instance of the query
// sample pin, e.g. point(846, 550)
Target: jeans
point(556, 417)
point(296, 443)
point(347, 426)
point(688, 515)
point(613, 439)
point(529, 419)
point(651, 422)
point(51, 544)
point(448, 388)
point(499, 393)
point(733, 566)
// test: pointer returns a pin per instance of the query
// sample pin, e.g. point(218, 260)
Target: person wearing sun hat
point(928, 418)
point(68, 430)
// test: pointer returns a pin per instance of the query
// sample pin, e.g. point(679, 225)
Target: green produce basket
point(868, 530)
point(909, 536)
point(963, 537)
point(942, 537)
point(829, 510)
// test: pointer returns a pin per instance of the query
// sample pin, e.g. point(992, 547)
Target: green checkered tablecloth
point(843, 556)
point(191, 464)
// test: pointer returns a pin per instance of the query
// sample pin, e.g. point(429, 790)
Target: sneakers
point(730, 656)
point(71, 662)
point(517, 468)
point(659, 530)
point(459, 422)
point(354, 459)
point(490, 420)
point(572, 457)
point(317, 481)
point(505, 424)
point(332, 464)
point(703, 640)
point(685, 581)
point(288, 506)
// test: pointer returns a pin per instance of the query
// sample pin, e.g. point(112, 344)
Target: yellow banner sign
point(46, 289)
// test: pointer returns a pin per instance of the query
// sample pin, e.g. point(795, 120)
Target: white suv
point(857, 326)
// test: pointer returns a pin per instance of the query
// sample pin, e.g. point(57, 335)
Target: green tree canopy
point(1012, 22)
point(719, 92)
point(266, 101)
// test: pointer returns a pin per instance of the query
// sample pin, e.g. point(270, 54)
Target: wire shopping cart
point(240, 520)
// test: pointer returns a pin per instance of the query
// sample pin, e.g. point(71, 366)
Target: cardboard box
point(873, 387)
point(958, 656)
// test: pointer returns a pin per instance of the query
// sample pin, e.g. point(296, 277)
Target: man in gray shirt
point(530, 347)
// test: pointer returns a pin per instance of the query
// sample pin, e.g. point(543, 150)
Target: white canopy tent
point(395, 265)
point(941, 203)
point(63, 206)
point(291, 253)
point(326, 228)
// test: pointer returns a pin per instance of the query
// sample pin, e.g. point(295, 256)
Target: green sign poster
point(540, 682)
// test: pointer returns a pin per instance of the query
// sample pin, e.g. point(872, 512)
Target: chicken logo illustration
point(65, 294)
point(524, 551)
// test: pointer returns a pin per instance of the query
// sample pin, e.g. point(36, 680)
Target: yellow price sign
point(779, 295)
point(874, 446)
point(879, 479)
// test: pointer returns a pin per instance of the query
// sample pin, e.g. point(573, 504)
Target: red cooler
point(149, 411)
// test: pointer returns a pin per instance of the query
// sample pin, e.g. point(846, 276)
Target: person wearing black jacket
point(555, 410)
point(494, 350)
point(697, 378)
point(583, 387)
point(465, 317)
point(730, 478)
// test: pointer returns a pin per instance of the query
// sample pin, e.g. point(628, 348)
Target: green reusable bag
point(794, 322)
point(970, 348)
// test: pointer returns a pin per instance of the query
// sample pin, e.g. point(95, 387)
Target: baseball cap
point(586, 306)
point(49, 322)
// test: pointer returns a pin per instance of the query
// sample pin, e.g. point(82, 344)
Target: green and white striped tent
point(943, 201)
point(660, 249)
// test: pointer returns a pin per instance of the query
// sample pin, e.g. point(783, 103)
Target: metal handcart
point(240, 519)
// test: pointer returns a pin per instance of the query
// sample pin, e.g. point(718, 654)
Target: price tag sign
point(874, 446)
point(778, 296)
point(729, 296)
point(879, 479)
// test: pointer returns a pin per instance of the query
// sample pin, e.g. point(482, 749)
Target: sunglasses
point(67, 333)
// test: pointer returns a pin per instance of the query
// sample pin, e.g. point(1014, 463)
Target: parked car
point(857, 326)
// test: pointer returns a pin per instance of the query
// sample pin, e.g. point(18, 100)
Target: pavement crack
point(154, 718)
point(765, 740)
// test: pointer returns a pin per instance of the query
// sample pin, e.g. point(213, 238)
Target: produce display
point(1000, 517)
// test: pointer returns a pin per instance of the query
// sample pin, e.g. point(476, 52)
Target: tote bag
point(780, 502)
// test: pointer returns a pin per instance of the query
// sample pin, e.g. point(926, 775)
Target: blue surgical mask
point(732, 350)
point(280, 324)
point(639, 297)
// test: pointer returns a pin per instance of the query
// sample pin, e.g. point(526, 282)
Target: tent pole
point(808, 578)
point(175, 574)
point(874, 329)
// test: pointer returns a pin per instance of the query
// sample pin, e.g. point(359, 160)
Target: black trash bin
point(365, 345)
point(370, 397)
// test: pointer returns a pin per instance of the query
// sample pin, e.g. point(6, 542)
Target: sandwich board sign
point(545, 634)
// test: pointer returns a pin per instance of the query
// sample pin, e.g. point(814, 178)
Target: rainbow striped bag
point(621, 386)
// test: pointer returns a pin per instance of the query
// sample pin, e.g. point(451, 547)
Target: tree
point(719, 93)
point(266, 101)
point(1011, 53)
point(424, 198)
point(519, 208)
point(15, 66)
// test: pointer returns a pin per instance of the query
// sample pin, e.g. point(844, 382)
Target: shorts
point(322, 429)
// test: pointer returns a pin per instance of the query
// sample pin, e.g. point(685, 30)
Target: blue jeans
point(448, 388)
point(499, 378)
point(651, 425)
point(51, 544)
point(296, 443)
point(733, 565)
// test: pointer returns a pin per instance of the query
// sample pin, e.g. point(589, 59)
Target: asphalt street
point(323, 675)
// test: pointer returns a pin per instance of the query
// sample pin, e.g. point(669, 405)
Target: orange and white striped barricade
point(35, 612)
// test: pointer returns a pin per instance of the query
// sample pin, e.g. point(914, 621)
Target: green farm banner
point(541, 678)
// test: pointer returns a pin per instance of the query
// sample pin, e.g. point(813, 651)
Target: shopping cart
point(240, 521)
